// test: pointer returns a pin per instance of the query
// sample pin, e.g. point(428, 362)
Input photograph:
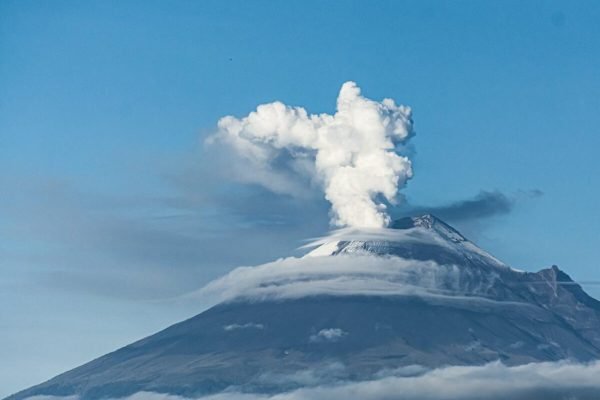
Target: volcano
point(418, 293)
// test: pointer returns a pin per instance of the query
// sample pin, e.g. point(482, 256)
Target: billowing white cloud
point(494, 381)
point(352, 155)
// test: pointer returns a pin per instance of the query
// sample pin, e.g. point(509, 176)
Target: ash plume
point(354, 156)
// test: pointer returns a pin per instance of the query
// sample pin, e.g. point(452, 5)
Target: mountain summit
point(423, 238)
point(362, 302)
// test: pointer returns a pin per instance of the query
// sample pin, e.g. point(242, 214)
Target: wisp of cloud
point(354, 155)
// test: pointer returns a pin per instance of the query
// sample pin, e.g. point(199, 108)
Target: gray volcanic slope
point(521, 317)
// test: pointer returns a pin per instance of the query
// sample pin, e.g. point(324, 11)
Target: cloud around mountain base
point(561, 380)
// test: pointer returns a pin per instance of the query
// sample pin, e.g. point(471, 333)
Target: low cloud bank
point(494, 381)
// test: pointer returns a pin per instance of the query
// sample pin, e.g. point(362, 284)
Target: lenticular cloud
point(353, 155)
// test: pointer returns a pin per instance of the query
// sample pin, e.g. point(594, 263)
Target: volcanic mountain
point(418, 293)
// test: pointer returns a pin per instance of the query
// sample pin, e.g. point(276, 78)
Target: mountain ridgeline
point(486, 312)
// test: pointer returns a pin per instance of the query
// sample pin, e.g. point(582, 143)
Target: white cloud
point(328, 335)
point(298, 277)
point(494, 381)
point(352, 155)
point(249, 325)
point(355, 274)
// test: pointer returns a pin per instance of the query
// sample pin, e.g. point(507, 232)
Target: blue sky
point(110, 207)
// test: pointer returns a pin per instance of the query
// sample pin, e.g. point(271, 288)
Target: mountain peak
point(424, 221)
point(423, 237)
point(430, 222)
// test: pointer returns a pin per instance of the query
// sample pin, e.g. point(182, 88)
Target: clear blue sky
point(109, 205)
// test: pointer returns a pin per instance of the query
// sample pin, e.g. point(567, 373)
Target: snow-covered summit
point(424, 237)
point(430, 222)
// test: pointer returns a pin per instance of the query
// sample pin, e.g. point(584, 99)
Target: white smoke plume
point(353, 155)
